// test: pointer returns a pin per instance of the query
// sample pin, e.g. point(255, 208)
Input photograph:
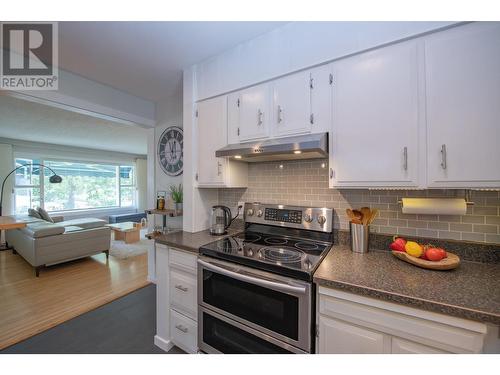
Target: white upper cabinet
point(212, 135)
point(254, 112)
point(463, 106)
point(292, 105)
point(374, 140)
point(321, 98)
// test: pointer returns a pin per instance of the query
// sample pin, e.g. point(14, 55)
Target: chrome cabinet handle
point(259, 117)
point(253, 280)
point(443, 156)
point(180, 287)
point(218, 168)
point(181, 328)
point(280, 114)
point(331, 172)
point(405, 158)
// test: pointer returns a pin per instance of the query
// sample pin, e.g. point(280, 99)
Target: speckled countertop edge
point(321, 278)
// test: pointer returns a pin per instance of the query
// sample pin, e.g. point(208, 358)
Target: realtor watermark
point(29, 56)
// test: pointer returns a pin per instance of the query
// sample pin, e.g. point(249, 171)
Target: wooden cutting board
point(450, 262)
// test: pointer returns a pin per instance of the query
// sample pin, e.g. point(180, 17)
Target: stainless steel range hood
point(310, 146)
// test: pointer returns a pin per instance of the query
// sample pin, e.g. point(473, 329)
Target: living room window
point(85, 186)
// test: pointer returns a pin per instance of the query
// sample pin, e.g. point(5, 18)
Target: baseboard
point(163, 344)
point(151, 280)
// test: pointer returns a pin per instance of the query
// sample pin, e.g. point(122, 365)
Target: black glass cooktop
point(285, 255)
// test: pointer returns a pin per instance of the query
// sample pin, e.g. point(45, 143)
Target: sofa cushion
point(33, 213)
point(45, 215)
point(85, 223)
point(42, 229)
point(72, 228)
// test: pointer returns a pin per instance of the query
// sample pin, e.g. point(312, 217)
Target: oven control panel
point(311, 218)
point(287, 216)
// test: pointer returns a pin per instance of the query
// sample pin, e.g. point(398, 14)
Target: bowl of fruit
point(425, 256)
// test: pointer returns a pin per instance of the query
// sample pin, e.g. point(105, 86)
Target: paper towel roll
point(434, 206)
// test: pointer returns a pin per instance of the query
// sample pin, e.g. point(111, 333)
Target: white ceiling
point(146, 58)
point(34, 122)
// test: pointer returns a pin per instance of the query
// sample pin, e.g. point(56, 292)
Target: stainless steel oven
point(245, 310)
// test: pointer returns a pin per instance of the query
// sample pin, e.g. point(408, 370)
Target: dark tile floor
point(124, 326)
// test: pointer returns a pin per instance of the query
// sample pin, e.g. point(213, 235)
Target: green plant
point(176, 193)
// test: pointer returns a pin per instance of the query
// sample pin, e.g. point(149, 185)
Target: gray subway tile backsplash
point(305, 183)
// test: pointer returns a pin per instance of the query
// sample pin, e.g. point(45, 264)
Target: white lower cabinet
point(349, 323)
point(176, 299)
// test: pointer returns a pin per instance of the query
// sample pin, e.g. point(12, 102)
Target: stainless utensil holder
point(360, 235)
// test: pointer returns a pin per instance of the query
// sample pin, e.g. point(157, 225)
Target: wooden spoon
point(350, 214)
point(358, 215)
point(372, 215)
point(366, 214)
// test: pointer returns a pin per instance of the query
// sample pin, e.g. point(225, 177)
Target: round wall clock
point(170, 153)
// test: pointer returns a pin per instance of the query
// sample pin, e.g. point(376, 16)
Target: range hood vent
point(310, 146)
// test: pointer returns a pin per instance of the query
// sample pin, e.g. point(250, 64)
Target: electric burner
point(248, 237)
point(302, 245)
point(284, 255)
point(275, 241)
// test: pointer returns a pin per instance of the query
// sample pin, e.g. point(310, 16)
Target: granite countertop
point(191, 242)
point(472, 291)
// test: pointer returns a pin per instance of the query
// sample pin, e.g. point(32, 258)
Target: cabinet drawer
point(183, 260)
point(400, 346)
point(183, 292)
point(184, 332)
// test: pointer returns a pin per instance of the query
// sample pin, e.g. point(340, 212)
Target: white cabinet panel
point(463, 106)
point(292, 105)
point(337, 337)
point(254, 119)
point(400, 346)
point(212, 135)
point(184, 332)
point(321, 98)
point(233, 118)
point(375, 135)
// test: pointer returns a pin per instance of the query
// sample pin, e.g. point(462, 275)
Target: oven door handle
point(264, 283)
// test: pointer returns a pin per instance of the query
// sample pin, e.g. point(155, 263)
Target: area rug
point(122, 250)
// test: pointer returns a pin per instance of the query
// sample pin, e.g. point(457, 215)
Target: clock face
point(170, 153)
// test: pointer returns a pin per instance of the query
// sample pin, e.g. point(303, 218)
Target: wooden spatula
point(373, 215)
point(350, 214)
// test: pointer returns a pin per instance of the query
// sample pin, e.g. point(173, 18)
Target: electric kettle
point(220, 219)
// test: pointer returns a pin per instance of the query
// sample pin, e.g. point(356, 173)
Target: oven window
point(229, 339)
point(276, 311)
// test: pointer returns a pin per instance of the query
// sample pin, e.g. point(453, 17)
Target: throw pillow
point(45, 215)
point(33, 213)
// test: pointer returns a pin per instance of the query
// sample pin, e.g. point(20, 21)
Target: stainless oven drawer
point(276, 306)
point(220, 334)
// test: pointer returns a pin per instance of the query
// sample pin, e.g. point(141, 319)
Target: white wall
point(292, 47)
point(141, 173)
point(295, 46)
point(168, 114)
point(6, 165)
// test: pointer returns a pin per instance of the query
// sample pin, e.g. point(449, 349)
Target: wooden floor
point(29, 305)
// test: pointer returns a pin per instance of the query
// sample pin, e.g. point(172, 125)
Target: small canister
point(359, 237)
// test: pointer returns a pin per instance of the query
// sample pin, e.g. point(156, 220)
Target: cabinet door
point(212, 135)
point(337, 337)
point(400, 346)
point(375, 136)
point(254, 113)
point(463, 106)
point(233, 118)
point(321, 98)
point(292, 105)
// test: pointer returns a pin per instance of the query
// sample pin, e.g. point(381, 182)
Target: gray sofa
point(43, 243)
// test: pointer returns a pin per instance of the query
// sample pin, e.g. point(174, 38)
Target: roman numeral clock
point(170, 151)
